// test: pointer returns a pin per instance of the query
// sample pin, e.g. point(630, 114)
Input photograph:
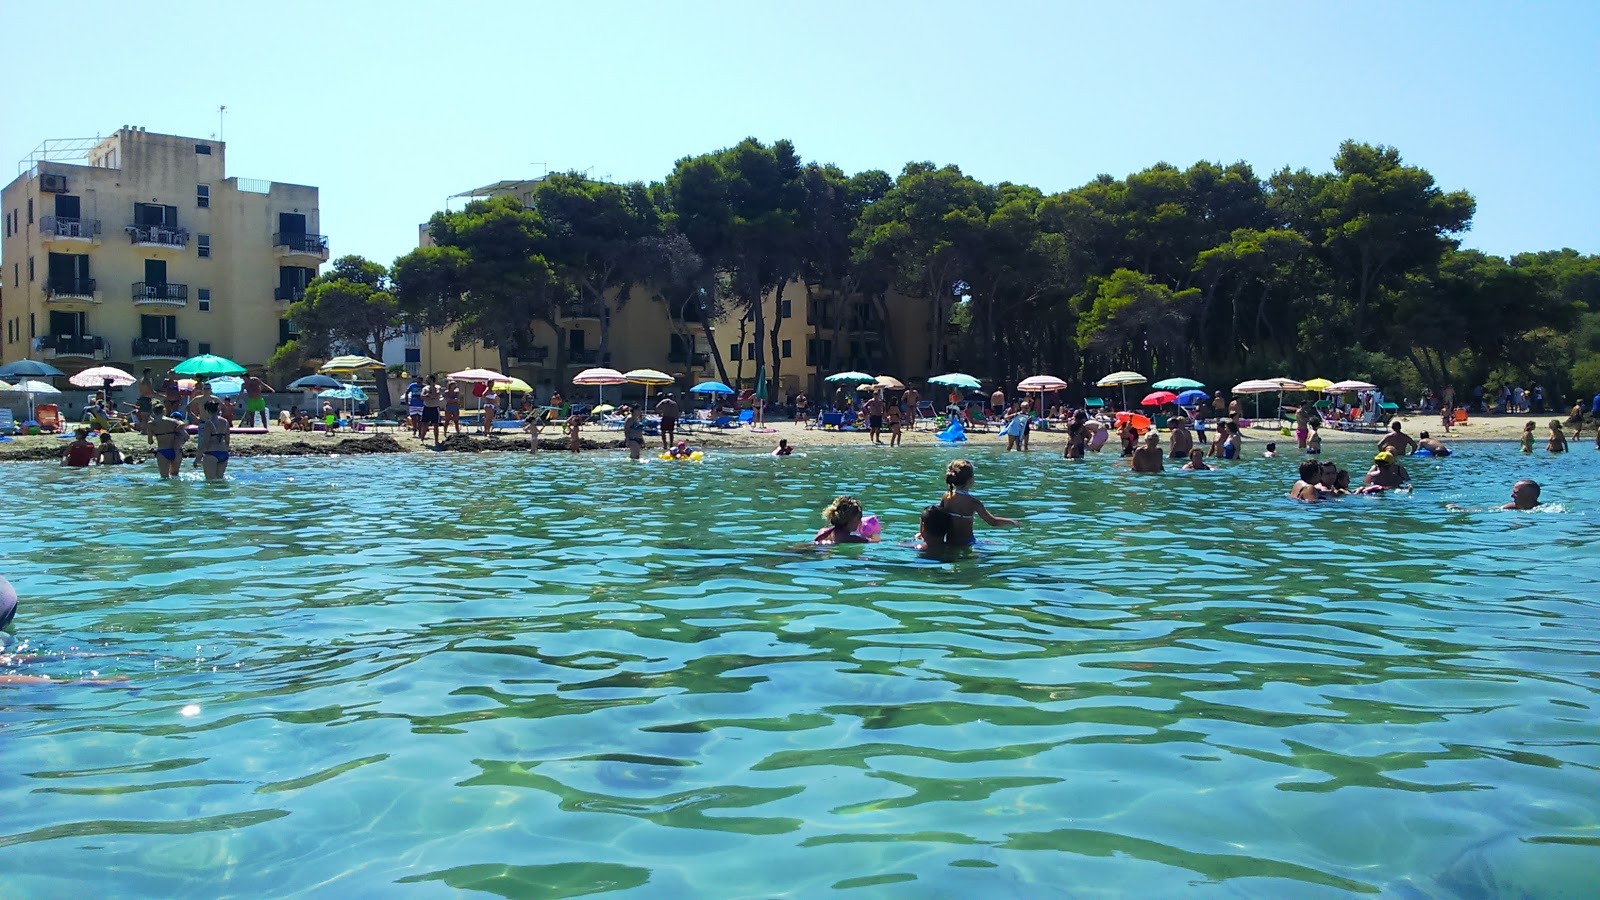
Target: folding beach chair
point(8, 422)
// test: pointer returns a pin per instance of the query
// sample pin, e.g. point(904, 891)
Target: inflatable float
point(696, 456)
point(952, 434)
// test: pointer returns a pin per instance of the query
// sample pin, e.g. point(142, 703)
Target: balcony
point(165, 348)
point(158, 236)
point(698, 360)
point(289, 244)
point(583, 309)
point(69, 289)
point(538, 355)
point(64, 230)
point(583, 357)
point(288, 294)
point(160, 294)
point(56, 346)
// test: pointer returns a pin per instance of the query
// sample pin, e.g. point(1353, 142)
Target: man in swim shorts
point(1397, 442)
point(1524, 495)
point(170, 437)
point(254, 402)
point(432, 402)
point(668, 410)
point(874, 412)
point(1386, 473)
point(1182, 438)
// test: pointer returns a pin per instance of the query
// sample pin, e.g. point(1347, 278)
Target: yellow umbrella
point(351, 364)
point(514, 384)
point(1317, 385)
point(649, 378)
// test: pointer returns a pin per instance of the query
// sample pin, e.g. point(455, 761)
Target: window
point(786, 347)
point(30, 210)
point(203, 243)
point(204, 302)
point(286, 332)
point(203, 348)
point(784, 311)
point(158, 328)
point(155, 215)
point(203, 149)
point(733, 352)
point(31, 332)
point(750, 351)
point(30, 270)
point(202, 195)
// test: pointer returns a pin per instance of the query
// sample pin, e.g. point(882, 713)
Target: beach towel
point(952, 434)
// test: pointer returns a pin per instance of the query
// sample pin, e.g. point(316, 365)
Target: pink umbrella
point(99, 375)
point(1158, 398)
point(600, 377)
point(1041, 384)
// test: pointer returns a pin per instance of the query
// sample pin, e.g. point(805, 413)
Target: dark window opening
point(67, 324)
point(202, 195)
point(155, 215)
point(68, 207)
point(158, 328)
point(202, 149)
point(155, 271)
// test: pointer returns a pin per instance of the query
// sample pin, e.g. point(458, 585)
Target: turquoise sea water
point(549, 676)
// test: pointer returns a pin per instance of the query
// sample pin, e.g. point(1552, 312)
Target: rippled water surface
point(551, 676)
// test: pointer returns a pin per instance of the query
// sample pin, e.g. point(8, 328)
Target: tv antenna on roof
point(221, 111)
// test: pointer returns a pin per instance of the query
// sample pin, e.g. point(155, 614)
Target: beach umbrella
point(1258, 387)
point(29, 368)
point(1317, 385)
point(1340, 387)
point(957, 380)
point(1158, 398)
point(488, 375)
point(711, 387)
point(599, 377)
point(1041, 384)
point(1287, 384)
point(1122, 380)
point(313, 382)
point(349, 364)
point(99, 375)
point(849, 378)
point(207, 365)
point(649, 378)
point(32, 387)
point(890, 383)
point(1193, 397)
point(601, 409)
point(1178, 384)
point(514, 385)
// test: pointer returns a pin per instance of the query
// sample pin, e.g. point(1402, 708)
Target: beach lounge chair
point(1094, 404)
point(8, 422)
point(747, 417)
point(48, 416)
point(979, 417)
point(924, 414)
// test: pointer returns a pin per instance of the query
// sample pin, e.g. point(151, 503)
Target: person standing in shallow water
point(668, 410)
point(963, 506)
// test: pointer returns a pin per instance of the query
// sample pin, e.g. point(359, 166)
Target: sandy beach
point(297, 443)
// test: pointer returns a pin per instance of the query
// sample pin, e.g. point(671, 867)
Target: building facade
point(139, 250)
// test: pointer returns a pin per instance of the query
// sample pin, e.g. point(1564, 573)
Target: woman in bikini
point(633, 433)
point(452, 407)
point(962, 506)
point(215, 439)
point(844, 519)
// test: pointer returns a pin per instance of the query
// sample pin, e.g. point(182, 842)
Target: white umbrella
point(1258, 387)
point(1040, 384)
point(1340, 387)
point(1121, 379)
point(31, 387)
point(99, 375)
point(600, 377)
point(478, 375)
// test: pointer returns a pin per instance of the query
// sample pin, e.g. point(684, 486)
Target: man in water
point(1386, 473)
point(1432, 445)
point(80, 452)
point(170, 437)
point(1182, 438)
point(668, 410)
point(1148, 458)
point(254, 402)
point(1524, 495)
point(1396, 442)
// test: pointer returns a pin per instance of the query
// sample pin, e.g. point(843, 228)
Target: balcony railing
point(290, 294)
point(582, 310)
point(314, 244)
point(70, 288)
point(684, 356)
point(538, 354)
point(57, 345)
point(583, 357)
point(147, 293)
point(158, 236)
point(166, 348)
point(69, 229)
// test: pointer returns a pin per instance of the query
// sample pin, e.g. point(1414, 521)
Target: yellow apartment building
point(139, 250)
point(649, 330)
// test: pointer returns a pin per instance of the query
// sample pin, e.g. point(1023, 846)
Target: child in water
point(935, 530)
point(844, 522)
point(1527, 437)
point(681, 450)
point(1558, 438)
point(962, 506)
point(783, 448)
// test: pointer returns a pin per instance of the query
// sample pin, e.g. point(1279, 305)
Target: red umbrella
point(1159, 398)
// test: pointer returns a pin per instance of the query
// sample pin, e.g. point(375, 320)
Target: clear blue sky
point(389, 107)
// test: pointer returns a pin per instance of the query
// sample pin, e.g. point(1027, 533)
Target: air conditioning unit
point(53, 184)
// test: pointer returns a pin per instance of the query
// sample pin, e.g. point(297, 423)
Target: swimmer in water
point(533, 425)
point(962, 506)
point(935, 528)
point(1197, 461)
point(844, 521)
point(1305, 487)
point(783, 448)
point(109, 453)
point(1558, 438)
point(1386, 473)
point(1272, 450)
point(80, 452)
point(1524, 495)
point(1432, 445)
point(1527, 436)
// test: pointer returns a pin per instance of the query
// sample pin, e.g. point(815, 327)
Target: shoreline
point(48, 448)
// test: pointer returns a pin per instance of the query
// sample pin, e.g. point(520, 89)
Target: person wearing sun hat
point(1386, 473)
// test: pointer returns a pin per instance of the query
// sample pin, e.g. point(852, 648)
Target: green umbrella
point(208, 366)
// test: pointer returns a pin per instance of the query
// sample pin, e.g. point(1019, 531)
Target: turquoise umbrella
point(1177, 385)
point(207, 366)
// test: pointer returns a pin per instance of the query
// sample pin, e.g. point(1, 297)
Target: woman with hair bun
point(962, 506)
